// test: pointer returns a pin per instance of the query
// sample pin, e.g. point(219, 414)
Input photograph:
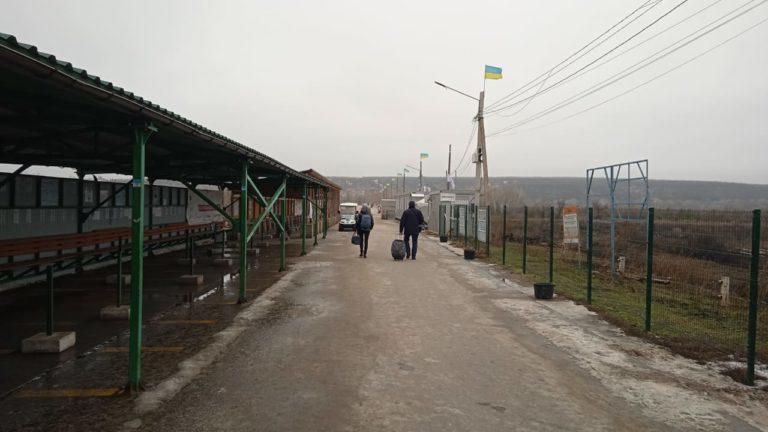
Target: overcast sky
point(346, 87)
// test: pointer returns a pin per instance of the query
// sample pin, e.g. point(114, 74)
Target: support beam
point(325, 213)
point(315, 213)
point(141, 137)
point(304, 220)
point(243, 228)
point(283, 215)
point(210, 202)
point(268, 208)
point(12, 176)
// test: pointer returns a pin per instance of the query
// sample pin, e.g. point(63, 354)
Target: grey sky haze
point(346, 87)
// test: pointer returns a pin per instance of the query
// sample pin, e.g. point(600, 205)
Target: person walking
point(364, 226)
point(410, 225)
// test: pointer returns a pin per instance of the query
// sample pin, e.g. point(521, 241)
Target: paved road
point(437, 344)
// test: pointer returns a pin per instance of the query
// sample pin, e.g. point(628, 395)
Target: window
point(182, 197)
point(5, 193)
point(156, 191)
point(120, 197)
point(26, 191)
point(49, 192)
point(69, 192)
point(105, 190)
point(89, 194)
point(166, 196)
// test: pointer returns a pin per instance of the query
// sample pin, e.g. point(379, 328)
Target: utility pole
point(448, 173)
point(482, 183)
point(404, 171)
point(421, 185)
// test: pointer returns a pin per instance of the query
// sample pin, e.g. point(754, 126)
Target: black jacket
point(359, 218)
point(411, 221)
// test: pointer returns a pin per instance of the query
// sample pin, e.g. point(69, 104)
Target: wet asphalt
point(372, 344)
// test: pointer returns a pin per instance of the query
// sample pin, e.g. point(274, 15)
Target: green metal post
point(49, 308)
point(474, 220)
point(753, 291)
point(525, 239)
point(242, 224)
point(589, 255)
point(120, 272)
point(488, 231)
point(283, 233)
point(551, 242)
point(141, 136)
point(649, 271)
point(504, 235)
point(466, 223)
point(315, 216)
point(325, 213)
point(304, 220)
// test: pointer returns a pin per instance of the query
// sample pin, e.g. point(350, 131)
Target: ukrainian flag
point(492, 72)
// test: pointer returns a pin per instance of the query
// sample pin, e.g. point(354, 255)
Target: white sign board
point(447, 197)
point(570, 225)
point(200, 212)
point(482, 224)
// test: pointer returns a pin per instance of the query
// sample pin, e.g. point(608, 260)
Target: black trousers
point(364, 242)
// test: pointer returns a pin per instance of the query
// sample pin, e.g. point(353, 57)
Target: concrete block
point(115, 313)
point(222, 262)
point(186, 261)
point(42, 343)
point(194, 280)
point(112, 279)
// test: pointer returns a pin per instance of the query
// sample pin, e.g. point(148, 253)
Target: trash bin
point(443, 239)
point(469, 254)
point(543, 290)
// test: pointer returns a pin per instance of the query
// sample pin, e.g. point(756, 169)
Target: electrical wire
point(629, 70)
point(469, 143)
point(536, 80)
point(593, 61)
point(643, 84)
point(668, 28)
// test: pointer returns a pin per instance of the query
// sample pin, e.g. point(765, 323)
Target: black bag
point(398, 249)
point(356, 239)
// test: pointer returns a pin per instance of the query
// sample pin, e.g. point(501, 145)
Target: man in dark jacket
point(410, 224)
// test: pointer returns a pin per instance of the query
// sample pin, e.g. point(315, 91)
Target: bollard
point(504, 235)
point(754, 267)
point(525, 238)
point(589, 256)
point(649, 271)
point(49, 309)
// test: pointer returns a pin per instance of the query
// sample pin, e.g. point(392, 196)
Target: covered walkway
point(55, 114)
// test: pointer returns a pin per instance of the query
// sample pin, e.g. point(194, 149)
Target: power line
point(595, 60)
point(469, 143)
point(667, 72)
point(629, 70)
point(535, 80)
point(668, 28)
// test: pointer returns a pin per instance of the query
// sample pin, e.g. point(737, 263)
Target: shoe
point(407, 257)
point(365, 255)
point(413, 259)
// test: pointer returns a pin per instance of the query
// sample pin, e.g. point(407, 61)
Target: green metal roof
point(57, 114)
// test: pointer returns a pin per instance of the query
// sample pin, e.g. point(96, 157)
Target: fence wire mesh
point(701, 271)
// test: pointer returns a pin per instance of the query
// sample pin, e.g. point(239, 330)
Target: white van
point(347, 215)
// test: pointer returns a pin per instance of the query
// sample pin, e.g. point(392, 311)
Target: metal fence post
point(304, 220)
point(475, 228)
point(649, 272)
point(754, 269)
point(589, 255)
point(488, 231)
point(525, 238)
point(504, 235)
point(551, 242)
point(49, 306)
point(242, 226)
point(466, 222)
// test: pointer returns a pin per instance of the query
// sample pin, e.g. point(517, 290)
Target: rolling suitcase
point(398, 249)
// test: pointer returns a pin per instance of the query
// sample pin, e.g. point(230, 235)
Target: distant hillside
point(546, 190)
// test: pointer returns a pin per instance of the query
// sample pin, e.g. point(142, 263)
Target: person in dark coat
point(410, 225)
point(364, 226)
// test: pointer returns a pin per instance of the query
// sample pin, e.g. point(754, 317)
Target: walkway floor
point(437, 344)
